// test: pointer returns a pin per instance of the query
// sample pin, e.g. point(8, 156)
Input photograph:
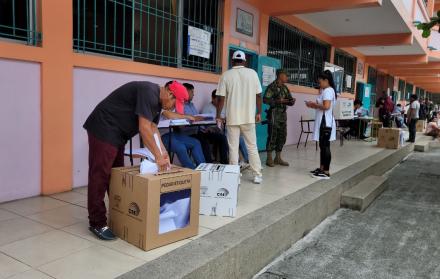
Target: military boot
point(269, 161)
point(279, 161)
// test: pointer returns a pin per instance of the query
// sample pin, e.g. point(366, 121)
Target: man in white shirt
point(239, 90)
point(413, 117)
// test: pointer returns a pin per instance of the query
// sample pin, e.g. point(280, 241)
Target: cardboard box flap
point(218, 168)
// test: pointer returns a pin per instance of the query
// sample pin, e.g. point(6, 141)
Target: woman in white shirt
point(325, 124)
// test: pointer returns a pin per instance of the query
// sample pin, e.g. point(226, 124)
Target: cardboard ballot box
point(152, 210)
point(421, 126)
point(344, 109)
point(390, 138)
point(219, 189)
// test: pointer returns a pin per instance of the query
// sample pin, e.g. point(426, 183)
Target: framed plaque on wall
point(245, 22)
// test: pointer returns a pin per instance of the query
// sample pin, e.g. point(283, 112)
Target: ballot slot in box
point(219, 189)
point(153, 210)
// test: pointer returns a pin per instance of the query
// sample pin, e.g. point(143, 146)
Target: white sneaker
point(258, 179)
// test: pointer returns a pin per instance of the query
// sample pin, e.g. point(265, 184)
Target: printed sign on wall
point(199, 42)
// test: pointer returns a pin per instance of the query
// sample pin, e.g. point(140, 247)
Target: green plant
point(427, 27)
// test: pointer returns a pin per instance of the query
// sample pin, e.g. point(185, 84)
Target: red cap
point(180, 93)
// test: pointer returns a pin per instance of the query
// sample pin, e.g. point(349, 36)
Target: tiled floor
point(48, 237)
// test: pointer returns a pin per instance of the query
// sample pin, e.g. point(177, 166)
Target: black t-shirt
point(115, 119)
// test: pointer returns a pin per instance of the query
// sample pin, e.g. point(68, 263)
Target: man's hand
point(198, 118)
point(258, 118)
point(163, 162)
point(220, 122)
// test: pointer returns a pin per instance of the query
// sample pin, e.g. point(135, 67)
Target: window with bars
point(301, 55)
point(402, 88)
point(150, 31)
point(348, 62)
point(408, 90)
point(18, 21)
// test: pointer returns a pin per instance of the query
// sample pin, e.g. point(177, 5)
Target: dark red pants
point(102, 158)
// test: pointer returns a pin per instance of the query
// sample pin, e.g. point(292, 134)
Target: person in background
point(423, 112)
point(357, 126)
point(181, 144)
point(239, 90)
point(399, 113)
point(278, 97)
point(325, 124)
point(131, 109)
point(207, 136)
point(413, 117)
point(211, 108)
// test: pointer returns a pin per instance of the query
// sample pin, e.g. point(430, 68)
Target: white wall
point(90, 87)
point(20, 141)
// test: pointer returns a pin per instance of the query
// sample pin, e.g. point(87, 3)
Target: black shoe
point(103, 233)
point(363, 137)
point(321, 175)
point(315, 171)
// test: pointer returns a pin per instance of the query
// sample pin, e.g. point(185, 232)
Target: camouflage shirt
point(276, 92)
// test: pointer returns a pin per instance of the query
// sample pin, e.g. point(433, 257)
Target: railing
point(152, 31)
point(18, 21)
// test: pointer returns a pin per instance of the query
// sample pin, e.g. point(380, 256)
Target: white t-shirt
point(327, 94)
point(239, 86)
point(416, 106)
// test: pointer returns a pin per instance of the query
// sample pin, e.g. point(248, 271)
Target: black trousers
point(325, 152)
point(218, 141)
point(412, 127)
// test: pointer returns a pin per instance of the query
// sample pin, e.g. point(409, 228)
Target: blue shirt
point(189, 109)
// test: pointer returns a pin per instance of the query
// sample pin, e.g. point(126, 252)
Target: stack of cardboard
point(219, 189)
point(152, 210)
point(390, 138)
point(421, 126)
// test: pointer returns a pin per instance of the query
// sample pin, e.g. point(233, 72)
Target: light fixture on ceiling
point(347, 20)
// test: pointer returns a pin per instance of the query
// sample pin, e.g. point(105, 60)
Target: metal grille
point(348, 62)
point(18, 21)
point(402, 88)
point(148, 31)
point(408, 89)
point(301, 55)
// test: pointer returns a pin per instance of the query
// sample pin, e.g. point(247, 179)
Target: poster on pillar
point(338, 76)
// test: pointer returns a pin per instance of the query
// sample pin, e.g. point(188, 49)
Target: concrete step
point(363, 194)
point(243, 247)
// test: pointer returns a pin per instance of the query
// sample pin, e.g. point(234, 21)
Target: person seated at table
point(357, 126)
point(211, 108)
point(398, 113)
point(181, 144)
point(207, 135)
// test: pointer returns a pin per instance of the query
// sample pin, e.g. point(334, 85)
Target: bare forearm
point(174, 115)
point(220, 105)
point(259, 104)
point(147, 134)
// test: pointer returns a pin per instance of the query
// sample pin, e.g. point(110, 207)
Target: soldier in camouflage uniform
point(278, 97)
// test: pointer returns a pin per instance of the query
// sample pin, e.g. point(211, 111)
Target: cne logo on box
point(133, 209)
point(222, 193)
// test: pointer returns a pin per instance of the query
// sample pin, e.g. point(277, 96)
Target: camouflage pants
point(277, 133)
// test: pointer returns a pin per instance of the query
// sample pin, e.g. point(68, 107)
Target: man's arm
point(259, 108)
point(174, 115)
point(147, 129)
point(220, 105)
